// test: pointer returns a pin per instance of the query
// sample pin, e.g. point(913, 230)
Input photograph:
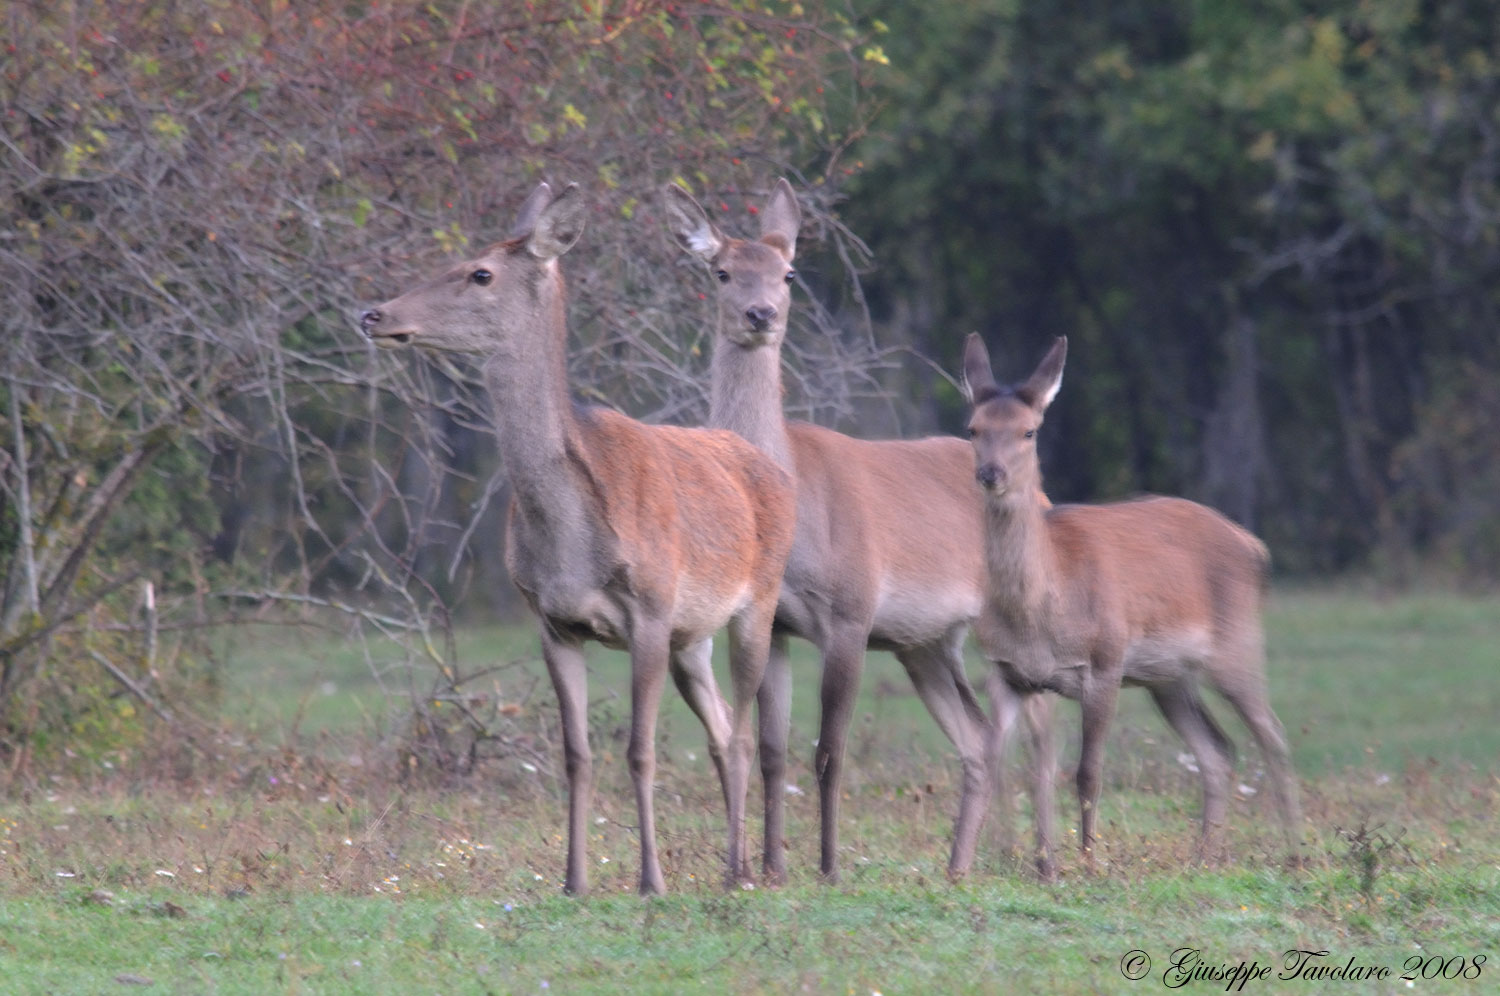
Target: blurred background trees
point(1272, 232)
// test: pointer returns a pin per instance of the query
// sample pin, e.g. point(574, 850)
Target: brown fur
point(1157, 592)
point(645, 537)
point(889, 546)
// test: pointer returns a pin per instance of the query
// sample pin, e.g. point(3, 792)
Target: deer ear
point(526, 217)
point(1042, 386)
point(690, 226)
point(782, 217)
point(558, 225)
point(978, 384)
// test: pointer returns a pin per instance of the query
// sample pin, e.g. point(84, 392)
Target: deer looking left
point(643, 537)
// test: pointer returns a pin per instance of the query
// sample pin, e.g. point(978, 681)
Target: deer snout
point(991, 476)
point(760, 316)
point(368, 319)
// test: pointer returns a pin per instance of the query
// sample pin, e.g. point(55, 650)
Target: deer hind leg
point(937, 671)
point(1183, 708)
point(1245, 688)
point(749, 647)
point(649, 653)
point(774, 704)
point(569, 672)
point(693, 674)
point(843, 659)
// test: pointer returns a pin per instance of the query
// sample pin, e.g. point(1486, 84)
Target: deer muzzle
point(369, 324)
point(992, 477)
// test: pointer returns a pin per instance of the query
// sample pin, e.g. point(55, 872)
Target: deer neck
point(1021, 559)
point(537, 432)
point(746, 394)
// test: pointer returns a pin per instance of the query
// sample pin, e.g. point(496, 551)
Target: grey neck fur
point(745, 397)
point(1020, 559)
point(528, 387)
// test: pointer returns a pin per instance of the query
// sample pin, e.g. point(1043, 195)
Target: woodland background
point(1271, 230)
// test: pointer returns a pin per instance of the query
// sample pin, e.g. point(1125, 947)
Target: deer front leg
point(1098, 701)
point(569, 672)
point(843, 659)
point(1041, 769)
point(774, 703)
point(649, 651)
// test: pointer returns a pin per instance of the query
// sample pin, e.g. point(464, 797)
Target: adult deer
point(888, 551)
point(643, 537)
point(1157, 592)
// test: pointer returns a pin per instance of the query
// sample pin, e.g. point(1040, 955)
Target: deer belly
point(700, 610)
point(1165, 657)
point(910, 615)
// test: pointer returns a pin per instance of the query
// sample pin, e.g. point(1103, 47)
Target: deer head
point(1005, 420)
point(484, 304)
point(756, 276)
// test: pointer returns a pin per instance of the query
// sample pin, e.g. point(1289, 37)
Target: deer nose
point(368, 319)
point(991, 475)
point(760, 315)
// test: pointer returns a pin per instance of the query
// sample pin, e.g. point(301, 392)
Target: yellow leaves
point(168, 127)
point(874, 53)
point(575, 117)
point(451, 239)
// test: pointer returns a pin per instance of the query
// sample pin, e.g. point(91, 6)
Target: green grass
point(295, 871)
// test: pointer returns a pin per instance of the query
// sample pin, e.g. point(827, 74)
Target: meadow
point(293, 859)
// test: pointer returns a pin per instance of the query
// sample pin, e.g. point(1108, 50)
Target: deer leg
point(774, 704)
point(749, 647)
point(693, 674)
point(938, 674)
point(1041, 771)
point(843, 659)
point(1098, 702)
point(1183, 708)
point(1246, 692)
point(1006, 704)
point(569, 672)
point(648, 671)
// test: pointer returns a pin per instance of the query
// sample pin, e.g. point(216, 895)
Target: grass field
point(296, 864)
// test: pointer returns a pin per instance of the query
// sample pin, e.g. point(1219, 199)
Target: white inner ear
point(701, 240)
point(1056, 386)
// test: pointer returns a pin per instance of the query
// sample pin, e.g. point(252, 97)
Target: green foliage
point(309, 867)
point(1149, 177)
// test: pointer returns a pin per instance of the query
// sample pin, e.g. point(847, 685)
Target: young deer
point(888, 551)
point(1156, 592)
point(643, 537)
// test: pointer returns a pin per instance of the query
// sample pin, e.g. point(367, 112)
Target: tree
point(1271, 231)
point(199, 196)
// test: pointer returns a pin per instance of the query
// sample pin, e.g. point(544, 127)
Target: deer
point(648, 538)
point(888, 548)
point(1157, 592)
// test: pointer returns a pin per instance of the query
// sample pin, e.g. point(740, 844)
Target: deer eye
point(1030, 433)
point(973, 432)
point(723, 276)
point(481, 277)
point(791, 275)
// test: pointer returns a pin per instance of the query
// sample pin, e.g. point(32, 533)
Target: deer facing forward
point(1158, 592)
point(888, 547)
point(643, 537)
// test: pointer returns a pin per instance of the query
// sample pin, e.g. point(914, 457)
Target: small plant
point(1367, 848)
